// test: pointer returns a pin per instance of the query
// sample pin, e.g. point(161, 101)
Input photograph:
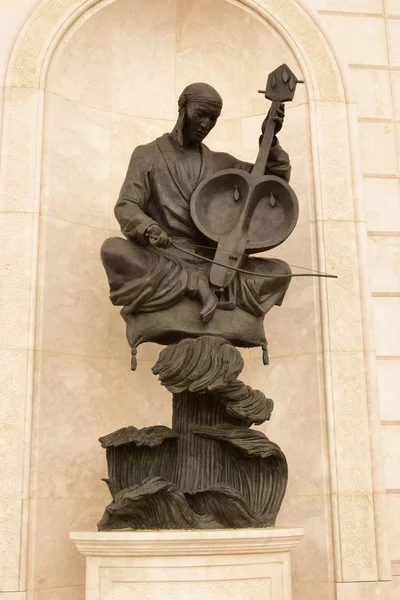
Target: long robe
point(157, 190)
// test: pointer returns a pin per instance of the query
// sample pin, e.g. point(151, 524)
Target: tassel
point(133, 361)
point(265, 354)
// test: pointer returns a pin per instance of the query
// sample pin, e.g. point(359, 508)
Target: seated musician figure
point(146, 272)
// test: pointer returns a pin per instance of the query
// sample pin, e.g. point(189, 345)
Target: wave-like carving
point(148, 436)
point(211, 364)
point(250, 441)
point(210, 469)
point(158, 504)
point(262, 481)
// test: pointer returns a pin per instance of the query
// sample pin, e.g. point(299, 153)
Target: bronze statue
point(146, 273)
point(185, 279)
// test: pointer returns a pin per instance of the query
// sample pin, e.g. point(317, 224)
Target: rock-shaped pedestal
point(210, 470)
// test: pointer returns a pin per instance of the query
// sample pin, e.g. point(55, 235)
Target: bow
point(254, 273)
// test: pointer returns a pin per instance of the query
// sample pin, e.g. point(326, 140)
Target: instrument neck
point(261, 163)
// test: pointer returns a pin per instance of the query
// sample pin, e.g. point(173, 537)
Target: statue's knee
point(112, 248)
point(284, 268)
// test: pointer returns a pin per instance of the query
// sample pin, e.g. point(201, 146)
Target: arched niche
point(54, 125)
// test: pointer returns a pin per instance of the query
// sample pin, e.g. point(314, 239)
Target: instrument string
point(253, 273)
point(239, 254)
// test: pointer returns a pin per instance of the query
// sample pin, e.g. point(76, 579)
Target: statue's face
point(200, 119)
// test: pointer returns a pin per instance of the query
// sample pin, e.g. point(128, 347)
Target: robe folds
point(157, 190)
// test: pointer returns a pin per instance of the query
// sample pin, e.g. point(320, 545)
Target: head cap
point(195, 92)
point(200, 92)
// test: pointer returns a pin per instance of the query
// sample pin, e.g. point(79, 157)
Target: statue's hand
point(157, 237)
point(280, 115)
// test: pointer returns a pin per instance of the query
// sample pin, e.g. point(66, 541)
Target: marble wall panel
point(17, 184)
point(13, 393)
point(295, 140)
point(208, 49)
point(305, 590)
point(374, 590)
point(74, 291)
point(313, 556)
point(393, 32)
point(382, 204)
point(136, 397)
point(358, 39)
point(143, 77)
point(391, 456)
point(371, 90)
point(67, 593)
point(226, 137)
point(263, 50)
point(392, 8)
point(82, 65)
point(16, 286)
point(393, 510)
point(36, 40)
point(70, 417)
point(387, 326)
point(294, 383)
point(395, 76)
point(56, 562)
point(118, 347)
point(13, 388)
point(292, 328)
point(378, 148)
point(251, 130)
point(334, 173)
point(384, 260)
point(15, 15)
point(389, 384)
point(10, 542)
point(359, 6)
point(76, 162)
point(352, 446)
point(341, 257)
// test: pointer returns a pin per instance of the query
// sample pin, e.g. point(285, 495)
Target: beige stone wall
point(87, 82)
point(366, 35)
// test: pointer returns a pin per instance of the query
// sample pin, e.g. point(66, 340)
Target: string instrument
point(248, 212)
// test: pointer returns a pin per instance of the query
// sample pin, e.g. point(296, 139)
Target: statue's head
point(199, 108)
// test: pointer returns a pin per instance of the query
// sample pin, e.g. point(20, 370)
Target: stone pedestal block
point(182, 565)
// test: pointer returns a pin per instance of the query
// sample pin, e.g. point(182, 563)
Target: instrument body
point(248, 212)
point(263, 216)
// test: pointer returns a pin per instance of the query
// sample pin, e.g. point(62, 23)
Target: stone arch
point(359, 547)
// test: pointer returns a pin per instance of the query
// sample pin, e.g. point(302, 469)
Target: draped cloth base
point(158, 290)
point(183, 320)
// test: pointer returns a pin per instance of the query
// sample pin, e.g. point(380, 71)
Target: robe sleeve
point(131, 207)
point(278, 162)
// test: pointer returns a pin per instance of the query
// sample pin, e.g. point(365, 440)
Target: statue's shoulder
point(145, 149)
point(222, 160)
point(145, 155)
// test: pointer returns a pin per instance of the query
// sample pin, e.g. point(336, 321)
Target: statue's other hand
point(280, 115)
point(157, 237)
